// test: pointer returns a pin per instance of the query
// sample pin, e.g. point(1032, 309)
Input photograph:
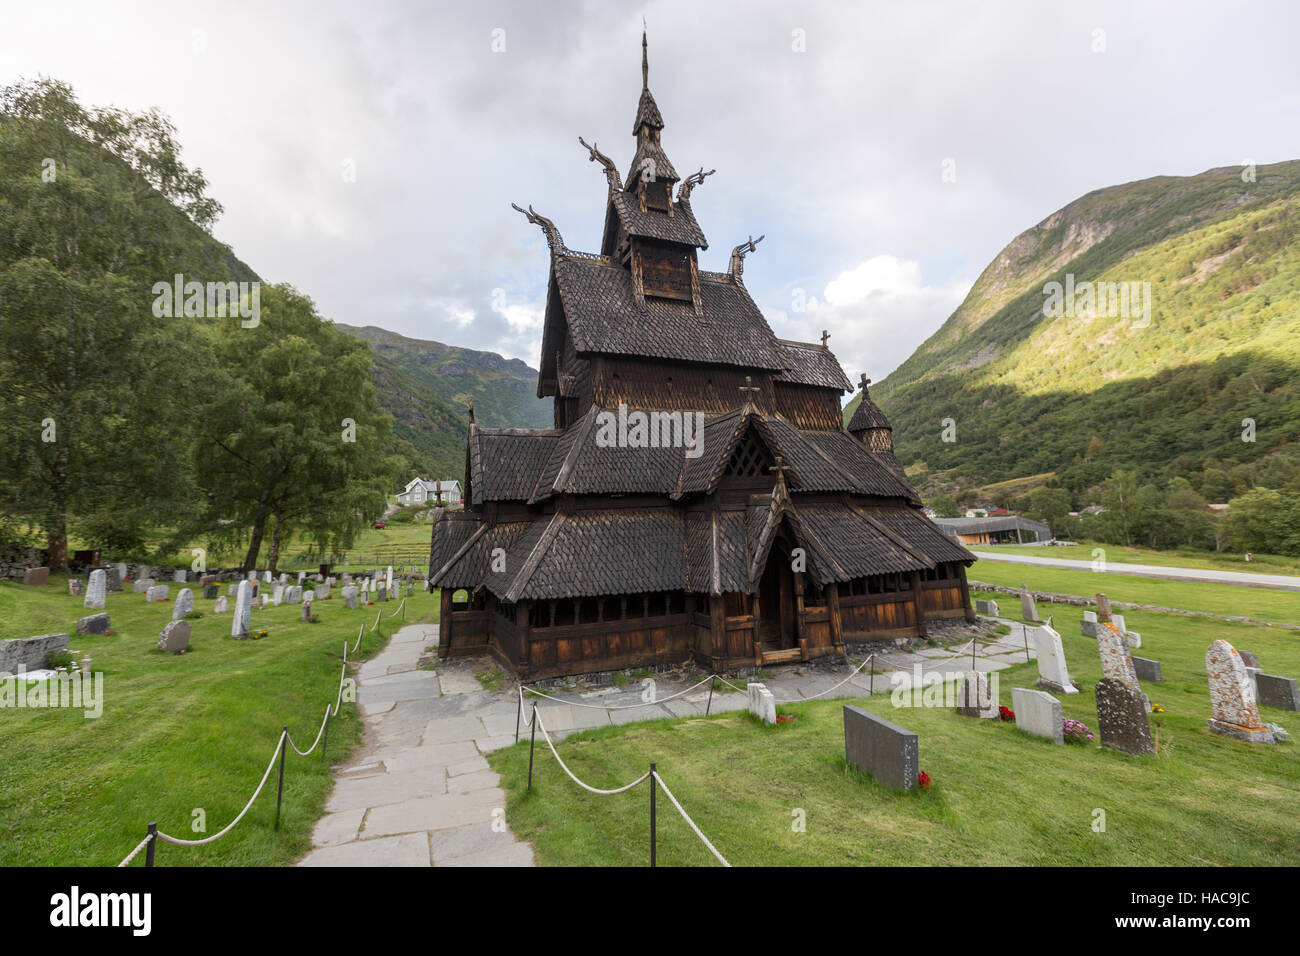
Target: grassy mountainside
point(1085, 395)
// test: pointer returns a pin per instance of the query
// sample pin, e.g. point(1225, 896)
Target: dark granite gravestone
point(113, 576)
point(1249, 659)
point(875, 746)
point(1274, 691)
point(1147, 669)
point(93, 624)
point(210, 592)
point(1122, 718)
point(37, 577)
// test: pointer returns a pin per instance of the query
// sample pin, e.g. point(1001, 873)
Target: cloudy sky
point(369, 153)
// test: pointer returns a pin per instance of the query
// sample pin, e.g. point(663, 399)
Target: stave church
point(698, 496)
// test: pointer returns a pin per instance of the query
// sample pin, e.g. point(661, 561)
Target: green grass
point(1182, 558)
point(999, 796)
point(1262, 604)
point(178, 733)
point(492, 679)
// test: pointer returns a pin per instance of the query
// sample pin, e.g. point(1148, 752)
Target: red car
point(380, 525)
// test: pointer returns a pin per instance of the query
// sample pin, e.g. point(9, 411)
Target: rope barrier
point(604, 793)
point(375, 626)
point(357, 644)
point(319, 734)
point(132, 855)
point(578, 703)
point(230, 826)
point(399, 608)
point(687, 817)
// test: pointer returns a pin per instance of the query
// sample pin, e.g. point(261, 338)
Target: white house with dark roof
point(422, 490)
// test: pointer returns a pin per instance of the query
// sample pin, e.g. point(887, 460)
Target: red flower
point(1007, 714)
point(923, 780)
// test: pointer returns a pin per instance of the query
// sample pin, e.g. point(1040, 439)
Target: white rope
point(799, 700)
point(375, 626)
point(139, 846)
point(360, 633)
point(399, 608)
point(603, 793)
point(685, 816)
point(343, 676)
point(320, 733)
point(217, 836)
point(578, 703)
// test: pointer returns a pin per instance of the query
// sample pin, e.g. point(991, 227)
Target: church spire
point(645, 62)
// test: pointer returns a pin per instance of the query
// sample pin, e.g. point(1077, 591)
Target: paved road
point(1240, 578)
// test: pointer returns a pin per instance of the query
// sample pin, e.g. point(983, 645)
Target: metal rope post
point(1025, 631)
point(153, 838)
point(325, 741)
point(531, 743)
point(519, 712)
point(280, 794)
point(654, 785)
point(710, 703)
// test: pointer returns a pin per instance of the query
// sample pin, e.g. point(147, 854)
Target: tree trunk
point(255, 546)
point(56, 533)
point(275, 545)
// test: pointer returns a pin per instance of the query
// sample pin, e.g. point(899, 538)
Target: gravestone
point(1038, 713)
point(232, 590)
point(886, 751)
point(1116, 662)
point(284, 577)
point(349, 596)
point(158, 592)
point(1122, 718)
point(974, 699)
point(1147, 669)
point(179, 577)
point(95, 590)
point(141, 585)
point(175, 637)
point(266, 577)
point(761, 702)
point(93, 623)
point(208, 579)
point(1052, 673)
point(1103, 608)
point(1132, 638)
point(1028, 609)
point(210, 591)
point(1089, 625)
point(989, 608)
point(1232, 696)
point(388, 581)
point(323, 591)
point(30, 653)
point(1249, 659)
point(305, 613)
point(1274, 691)
point(292, 594)
point(381, 592)
point(184, 604)
point(410, 588)
point(301, 576)
point(112, 578)
point(36, 577)
point(239, 627)
point(277, 594)
point(74, 587)
point(222, 605)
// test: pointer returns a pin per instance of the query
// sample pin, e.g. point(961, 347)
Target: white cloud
point(877, 313)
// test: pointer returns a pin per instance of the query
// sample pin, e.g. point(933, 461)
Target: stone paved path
point(420, 792)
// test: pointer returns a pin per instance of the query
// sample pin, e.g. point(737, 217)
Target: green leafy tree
point(95, 207)
point(944, 506)
point(291, 436)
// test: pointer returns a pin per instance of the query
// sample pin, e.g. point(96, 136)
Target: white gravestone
point(222, 605)
point(184, 604)
point(242, 621)
point(158, 592)
point(1038, 713)
point(96, 590)
point(761, 703)
point(1052, 672)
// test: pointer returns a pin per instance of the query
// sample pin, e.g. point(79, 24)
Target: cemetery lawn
point(1261, 604)
point(1179, 558)
point(999, 796)
point(178, 733)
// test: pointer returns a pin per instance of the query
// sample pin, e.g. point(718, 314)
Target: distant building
point(1002, 529)
point(1217, 510)
point(422, 490)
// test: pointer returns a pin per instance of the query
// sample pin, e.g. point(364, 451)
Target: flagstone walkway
point(420, 791)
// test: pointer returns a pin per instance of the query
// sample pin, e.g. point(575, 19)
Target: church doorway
point(776, 611)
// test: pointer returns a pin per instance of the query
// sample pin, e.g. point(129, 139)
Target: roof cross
point(825, 335)
point(780, 468)
point(749, 388)
point(865, 382)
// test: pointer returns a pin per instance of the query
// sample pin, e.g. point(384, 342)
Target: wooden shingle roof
point(811, 364)
point(681, 227)
point(604, 317)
